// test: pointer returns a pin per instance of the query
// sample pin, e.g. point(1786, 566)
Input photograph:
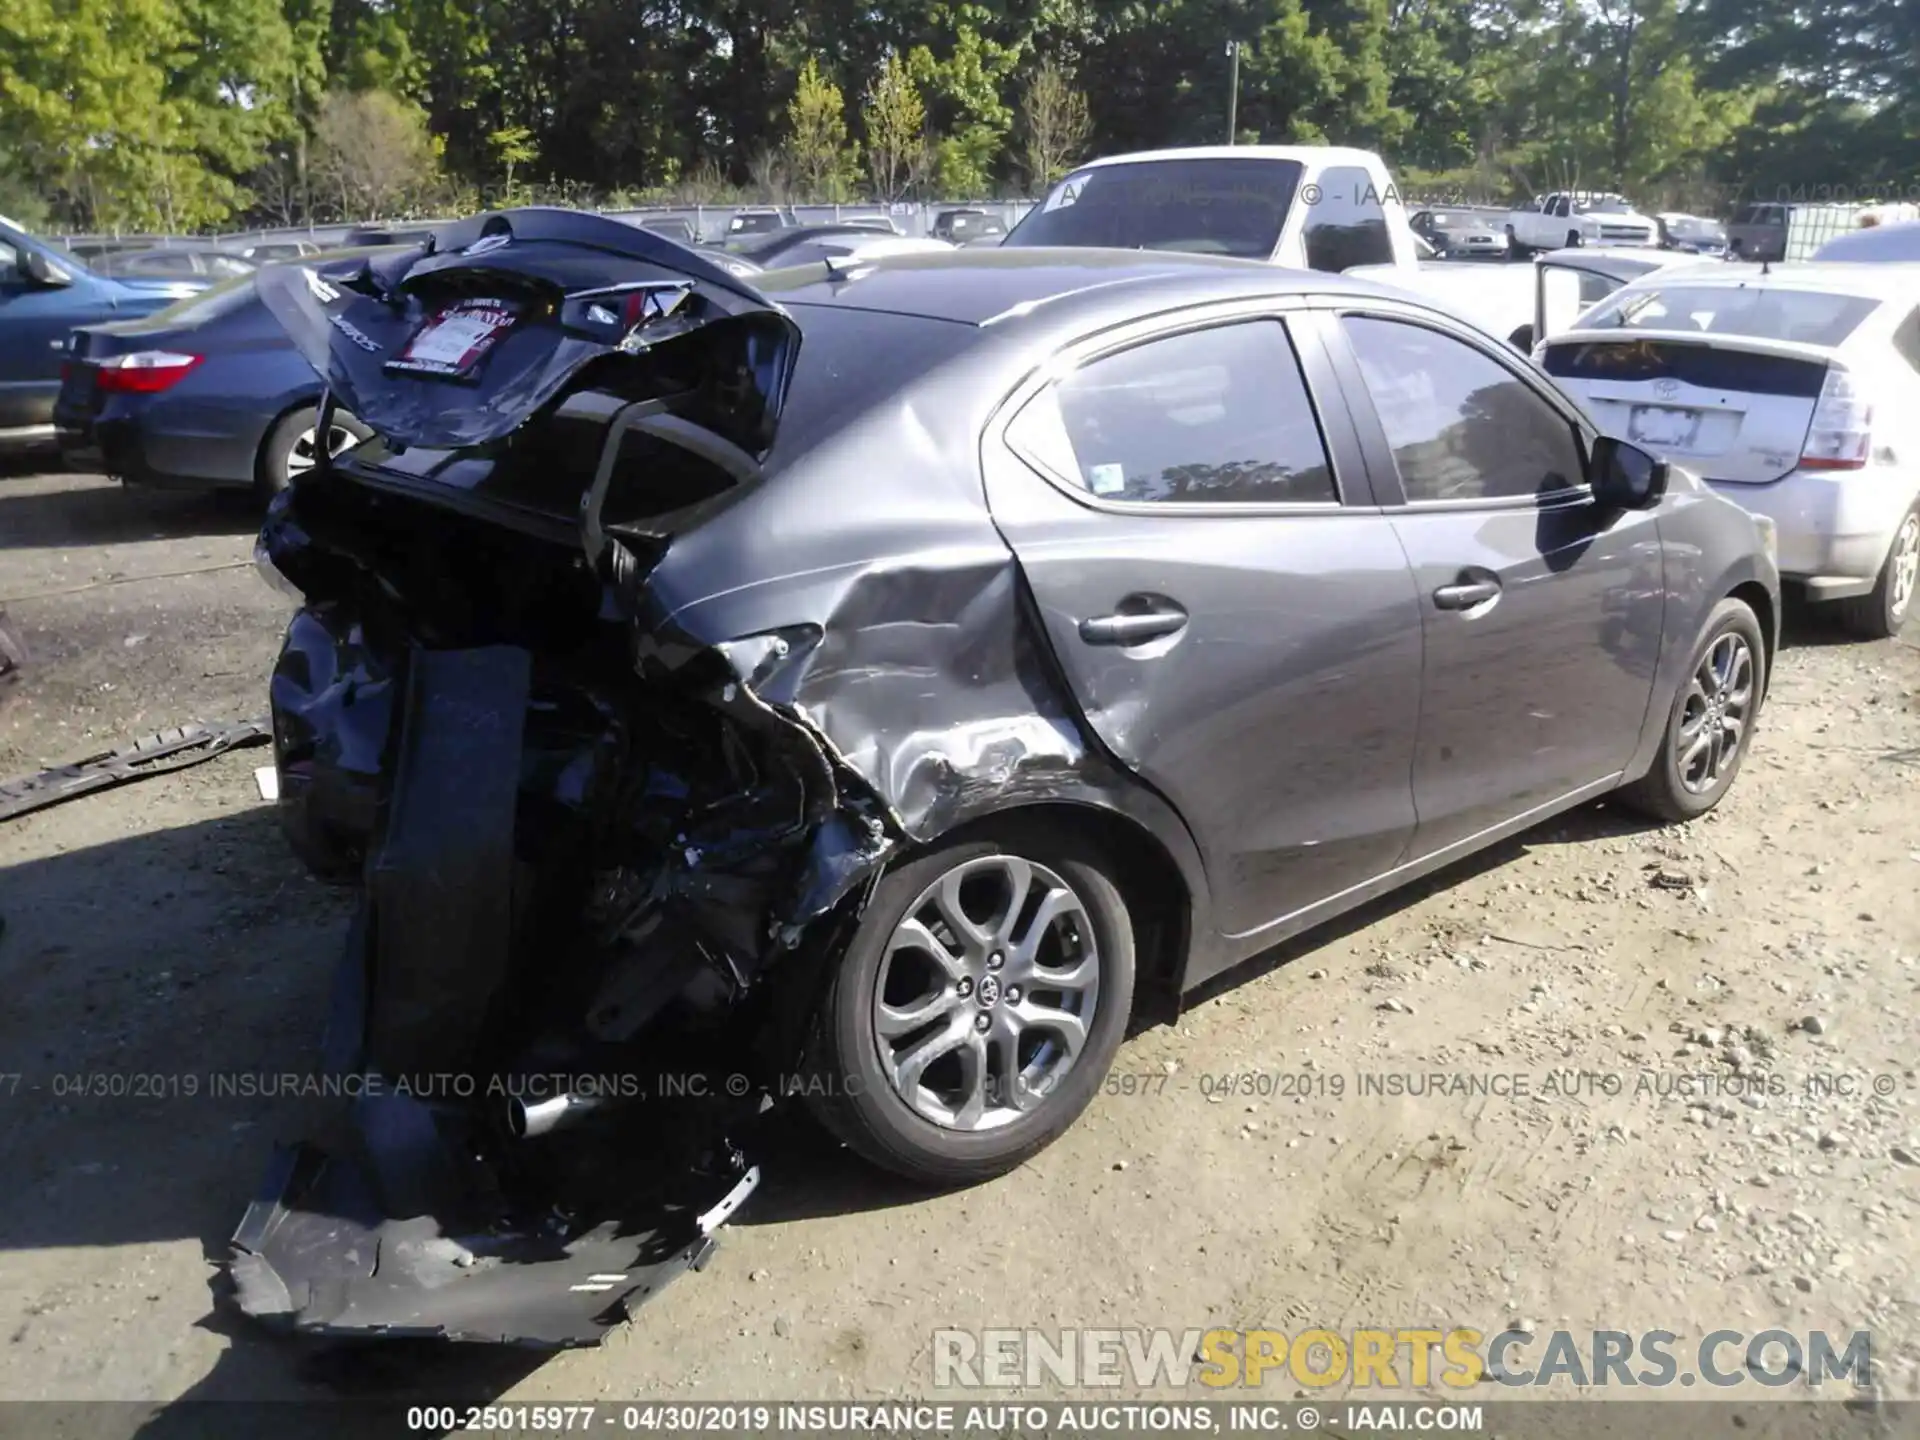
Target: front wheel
point(978, 1008)
point(1881, 612)
point(1711, 723)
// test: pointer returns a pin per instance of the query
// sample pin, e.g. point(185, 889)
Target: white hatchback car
point(1794, 390)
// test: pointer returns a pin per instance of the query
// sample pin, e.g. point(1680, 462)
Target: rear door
point(1234, 617)
point(1542, 617)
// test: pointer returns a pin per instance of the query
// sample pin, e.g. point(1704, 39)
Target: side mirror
point(1625, 477)
point(42, 271)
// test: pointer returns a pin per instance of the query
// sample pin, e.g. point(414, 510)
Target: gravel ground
point(1253, 1166)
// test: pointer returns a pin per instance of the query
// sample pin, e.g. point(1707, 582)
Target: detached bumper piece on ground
point(157, 754)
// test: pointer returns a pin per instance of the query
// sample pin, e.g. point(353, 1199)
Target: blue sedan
point(208, 394)
point(44, 294)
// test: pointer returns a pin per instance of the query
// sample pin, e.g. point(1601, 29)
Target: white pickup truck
point(1310, 207)
point(1567, 218)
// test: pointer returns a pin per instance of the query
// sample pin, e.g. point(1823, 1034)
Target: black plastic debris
point(156, 754)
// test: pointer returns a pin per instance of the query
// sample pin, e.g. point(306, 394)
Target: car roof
point(1889, 243)
point(1877, 282)
point(1303, 154)
point(1003, 287)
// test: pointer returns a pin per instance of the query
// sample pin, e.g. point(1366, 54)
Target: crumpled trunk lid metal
point(581, 287)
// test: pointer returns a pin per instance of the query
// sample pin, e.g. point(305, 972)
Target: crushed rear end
point(598, 870)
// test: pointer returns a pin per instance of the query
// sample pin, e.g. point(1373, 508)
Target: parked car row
point(1726, 370)
point(1561, 221)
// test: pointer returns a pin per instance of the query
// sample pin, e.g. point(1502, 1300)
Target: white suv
point(1794, 391)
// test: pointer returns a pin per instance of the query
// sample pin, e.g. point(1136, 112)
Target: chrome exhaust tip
point(529, 1121)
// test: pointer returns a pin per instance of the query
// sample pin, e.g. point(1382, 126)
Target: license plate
point(456, 339)
point(1662, 425)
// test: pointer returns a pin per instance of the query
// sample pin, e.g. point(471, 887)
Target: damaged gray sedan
point(881, 686)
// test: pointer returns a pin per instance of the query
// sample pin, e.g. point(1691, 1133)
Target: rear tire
point(1726, 678)
point(1879, 614)
point(1514, 248)
point(291, 447)
point(1021, 1012)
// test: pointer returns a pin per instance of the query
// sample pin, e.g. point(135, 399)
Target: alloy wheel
point(1714, 719)
point(986, 993)
point(305, 453)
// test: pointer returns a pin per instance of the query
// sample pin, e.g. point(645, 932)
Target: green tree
point(512, 146)
point(372, 154)
point(970, 114)
point(895, 120)
point(112, 107)
point(1055, 124)
point(818, 150)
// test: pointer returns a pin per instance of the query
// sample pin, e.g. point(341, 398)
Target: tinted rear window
point(852, 361)
point(1641, 360)
point(1209, 207)
point(1811, 317)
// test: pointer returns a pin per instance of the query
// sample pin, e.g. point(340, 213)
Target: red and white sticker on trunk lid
point(456, 339)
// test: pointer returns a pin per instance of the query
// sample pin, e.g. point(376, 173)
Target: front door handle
point(1133, 627)
point(1466, 594)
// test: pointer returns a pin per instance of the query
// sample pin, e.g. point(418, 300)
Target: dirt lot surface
point(1250, 1167)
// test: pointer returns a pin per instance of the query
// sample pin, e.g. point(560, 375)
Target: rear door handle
point(1466, 594)
point(1132, 628)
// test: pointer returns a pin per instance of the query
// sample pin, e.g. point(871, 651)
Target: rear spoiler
point(1754, 344)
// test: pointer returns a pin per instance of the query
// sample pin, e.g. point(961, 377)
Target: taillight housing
point(1840, 435)
point(144, 372)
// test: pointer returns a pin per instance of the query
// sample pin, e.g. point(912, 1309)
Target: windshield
point(1693, 228)
point(1809, 317)
point(1212, 207)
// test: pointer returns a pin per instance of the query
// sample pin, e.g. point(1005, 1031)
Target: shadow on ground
point(43, 508)
point(206, 950)
point(158, 963)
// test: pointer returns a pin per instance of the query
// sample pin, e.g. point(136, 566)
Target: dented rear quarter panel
point(915, 652)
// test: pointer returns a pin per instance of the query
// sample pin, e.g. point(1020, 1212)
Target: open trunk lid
point(447, 349)
point(1733, 409)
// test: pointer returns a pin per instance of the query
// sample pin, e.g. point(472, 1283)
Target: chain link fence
point(709, 223)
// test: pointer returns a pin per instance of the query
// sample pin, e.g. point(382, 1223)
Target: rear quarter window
point(1213, 416)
